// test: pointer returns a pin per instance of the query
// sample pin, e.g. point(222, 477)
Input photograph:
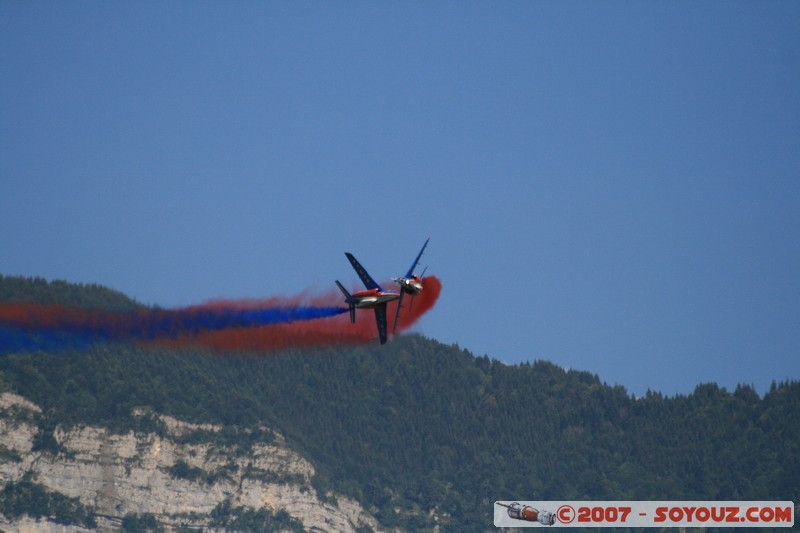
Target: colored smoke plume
point(331, 331)
point(259, 325)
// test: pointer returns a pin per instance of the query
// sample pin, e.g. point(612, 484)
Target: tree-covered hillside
point(423, 432)
point(41, 291)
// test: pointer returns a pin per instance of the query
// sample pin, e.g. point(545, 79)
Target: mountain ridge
point(428, 436)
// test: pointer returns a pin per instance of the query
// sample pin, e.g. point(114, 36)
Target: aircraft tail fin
point(414, 264)
point(349, 300)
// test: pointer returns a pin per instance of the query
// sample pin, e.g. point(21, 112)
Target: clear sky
point(611, 186)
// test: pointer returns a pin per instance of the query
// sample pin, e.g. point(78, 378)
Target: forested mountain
point(41, 291)
point(423, 433)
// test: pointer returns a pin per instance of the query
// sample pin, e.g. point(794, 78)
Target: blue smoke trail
point(12, 341)
point(173, 323)
point(27, 327)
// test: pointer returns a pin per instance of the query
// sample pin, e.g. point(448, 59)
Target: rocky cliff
point(178, 476)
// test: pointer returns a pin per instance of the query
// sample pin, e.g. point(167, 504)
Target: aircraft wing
point(399, 306)
point(380, 318)
point(369, 283)
point(414, 264)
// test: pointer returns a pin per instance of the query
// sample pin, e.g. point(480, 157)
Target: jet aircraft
point(374, 297)
point(409, 284)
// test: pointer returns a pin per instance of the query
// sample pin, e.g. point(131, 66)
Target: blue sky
point(614, 187)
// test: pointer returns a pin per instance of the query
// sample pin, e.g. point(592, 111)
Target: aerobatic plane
point(409, 284)
point(374, 297)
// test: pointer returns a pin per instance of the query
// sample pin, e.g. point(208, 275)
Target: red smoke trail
point(326, 332)
point(252, 325)
point(149, 324)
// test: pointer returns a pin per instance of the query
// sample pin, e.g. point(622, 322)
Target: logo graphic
point(529, 514)
point(655, 514)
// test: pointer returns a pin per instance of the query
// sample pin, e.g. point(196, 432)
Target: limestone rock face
point(179, 475)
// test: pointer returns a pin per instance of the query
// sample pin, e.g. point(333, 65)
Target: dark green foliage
point(229, 436)
point(27, 498)
point(44, 440)
point(418, 426)
point(7, 455)
point(182, 470)
point(40, 291)
point(141, 523)
point(245, 519)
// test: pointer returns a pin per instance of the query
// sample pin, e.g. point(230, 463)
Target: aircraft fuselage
point(373, 298)
point(411, 286)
